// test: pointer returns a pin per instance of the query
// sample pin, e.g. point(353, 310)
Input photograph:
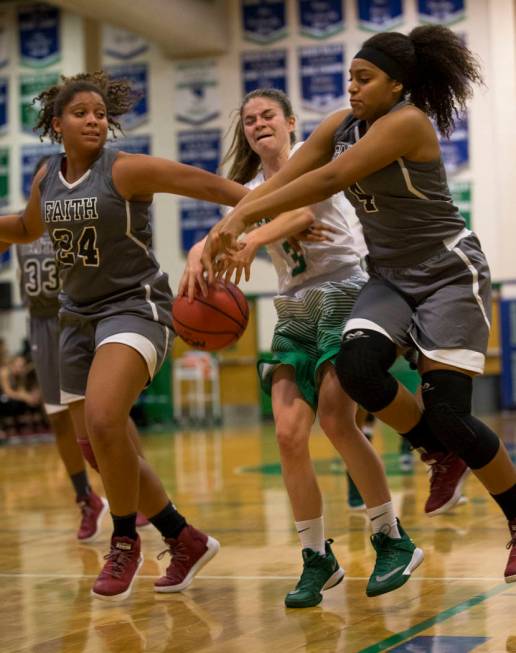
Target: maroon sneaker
point(93, 509)
point(116, 579)
point(447, 475)
point(142, 521)
point(190, 551)
point(510, 569)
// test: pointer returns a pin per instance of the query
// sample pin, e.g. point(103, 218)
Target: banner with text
point(137, 75)
point(264, 21)
point(264, 69)
point(4, 104)
point(320, 18)
point(321, 71)
point(120, 44)
point(197, 97)
point(132, 144)
point(455, 149)
point(30, 156)
point(29, 87)
point(39, 35)
point(203, 150)
point(380, 15)
point(4, 177)
point(441, 11)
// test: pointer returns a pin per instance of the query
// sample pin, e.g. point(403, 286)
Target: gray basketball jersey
point(39, 279)
point(405, 209)
point(102, 244)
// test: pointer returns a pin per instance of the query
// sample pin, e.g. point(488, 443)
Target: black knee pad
point(447, 399)
point(362, 366)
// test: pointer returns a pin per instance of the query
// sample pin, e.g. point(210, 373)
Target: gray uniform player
point(430, 281)
point(439, 267)
point(39, 287)
point(115, 328)
point(127, 298)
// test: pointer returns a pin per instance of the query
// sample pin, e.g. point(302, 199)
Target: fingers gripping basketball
point(211, 322)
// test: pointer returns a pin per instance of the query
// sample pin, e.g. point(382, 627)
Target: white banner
point(197, 97)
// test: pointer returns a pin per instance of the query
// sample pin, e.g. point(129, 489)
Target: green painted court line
point(386, 643)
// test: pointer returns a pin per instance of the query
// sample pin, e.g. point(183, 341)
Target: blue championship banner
point(30, 156)
point(380, 15)
point(264, 69)
point(137, 75)
point(201, 149)
point(38, 27)
point(5, 259)
point(321, 71)
point(443, 12)
point(264, 21)
point(4, 104)
point(307, 127)
point(320, 18)
point(132, 144)
point(455, 149)
point(4, 177)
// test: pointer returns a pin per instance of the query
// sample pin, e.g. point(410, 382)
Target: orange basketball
point(211, 322)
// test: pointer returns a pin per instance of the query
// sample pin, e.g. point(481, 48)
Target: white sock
point(311, 534)
point(383, 520)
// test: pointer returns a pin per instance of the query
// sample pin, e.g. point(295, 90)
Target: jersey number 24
point(84, 248)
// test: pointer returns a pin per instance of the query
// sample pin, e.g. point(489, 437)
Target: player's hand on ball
point(193, 276)
point(239, 260)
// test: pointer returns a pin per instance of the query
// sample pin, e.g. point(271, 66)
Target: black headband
point(383, 62)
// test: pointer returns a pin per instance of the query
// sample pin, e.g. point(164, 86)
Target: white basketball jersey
point(315, 259)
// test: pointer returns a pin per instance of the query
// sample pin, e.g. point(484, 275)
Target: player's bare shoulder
point(39, 176)
point(127, 169)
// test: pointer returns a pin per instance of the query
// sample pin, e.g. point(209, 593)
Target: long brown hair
point(245, 162)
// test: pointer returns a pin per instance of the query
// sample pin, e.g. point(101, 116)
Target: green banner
point(4, 177)
point(30, 87)
point(461, 195)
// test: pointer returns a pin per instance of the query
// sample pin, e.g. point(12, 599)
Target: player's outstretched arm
point(391, 137)
point(27, 226)
point(139, 175)
point(315, 152)
point(239, 261)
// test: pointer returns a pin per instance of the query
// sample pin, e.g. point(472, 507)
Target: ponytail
point(439, 71)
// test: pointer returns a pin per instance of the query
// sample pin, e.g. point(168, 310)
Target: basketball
point(213, 322)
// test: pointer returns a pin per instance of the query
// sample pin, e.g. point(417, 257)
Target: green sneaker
point(395, 561)
point(320, 572)
point(355, 501)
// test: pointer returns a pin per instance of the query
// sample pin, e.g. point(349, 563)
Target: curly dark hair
point(118, 96)
point(439, 70)
point(245, 162)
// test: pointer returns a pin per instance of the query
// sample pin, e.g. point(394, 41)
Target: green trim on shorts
point(304, 371)
point(329, 355)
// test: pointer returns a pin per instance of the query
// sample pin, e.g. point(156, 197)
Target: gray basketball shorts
point(44, 342)
point(442, 305)
point(82, 335)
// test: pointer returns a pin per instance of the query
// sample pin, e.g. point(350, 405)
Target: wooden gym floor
point(227, 482)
